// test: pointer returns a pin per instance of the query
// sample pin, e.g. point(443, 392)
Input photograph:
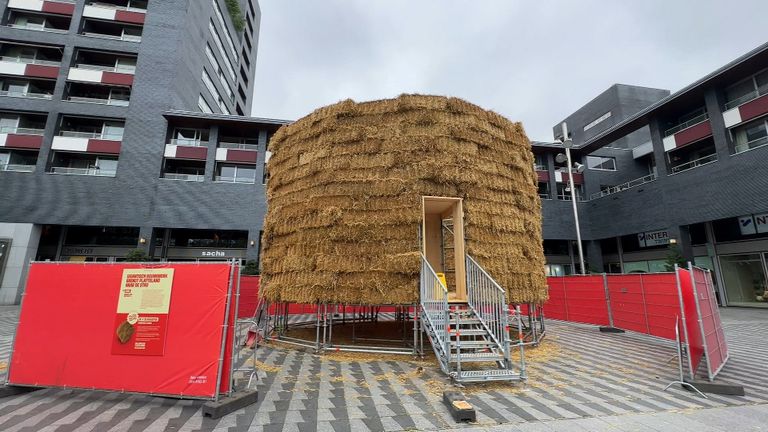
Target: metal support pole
point(521, 343)
point(645, 306)
point(235, 350)
point(415, 331)
point(608, 300)
point(567, 143)
point(224, 332)
point(317, 328)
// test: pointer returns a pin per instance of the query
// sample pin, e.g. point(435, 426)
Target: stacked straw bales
point(345, 192)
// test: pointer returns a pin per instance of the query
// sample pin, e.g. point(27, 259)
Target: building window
point(544, 190)
point(564, 192)
point(223, 24)
point(235, 173)
point(749, 136)
point(601, 163)
point(219, 71)
point(746, 90)
point(219, 43)
point(540, 162)
point(597, 121)
point(203, 105)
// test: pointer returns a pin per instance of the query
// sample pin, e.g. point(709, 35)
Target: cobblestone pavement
point(580, 379)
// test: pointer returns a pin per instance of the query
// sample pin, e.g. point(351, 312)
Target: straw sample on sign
point(345, 191)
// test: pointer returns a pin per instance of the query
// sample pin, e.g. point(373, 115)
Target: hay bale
point(345, 194)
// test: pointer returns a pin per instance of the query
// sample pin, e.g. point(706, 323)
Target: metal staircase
point(471, 340)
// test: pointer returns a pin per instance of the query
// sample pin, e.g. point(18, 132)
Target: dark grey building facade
point(122, 126)
point(688, 168)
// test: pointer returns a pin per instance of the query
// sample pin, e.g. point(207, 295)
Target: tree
point(137, 255)
point(251, 268)
point(674, 256)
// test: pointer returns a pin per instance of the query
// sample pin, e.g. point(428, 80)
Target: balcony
point(36, 22)
point(237, 150)
point(183, 170)
point(694, 163)
point(97, 94)
point(235, 173)
point(21, 131)
point(687, 132)
point(83, 164)
point(111, 30)
point(27, 88)
point(624, 186)
point(126, 11)
point(747, 107)
point(693, 156)
point(58, 7)
point(18, 160)
point(89, 135)
point(30, 61)
point(102, 68)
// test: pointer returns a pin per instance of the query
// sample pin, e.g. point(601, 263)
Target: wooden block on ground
point(228, 404)
point(607, 329)
point(458, 406)
point(716, 387)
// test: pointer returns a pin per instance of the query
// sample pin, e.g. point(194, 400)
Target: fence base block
point(458, 406)
point(717, 388)
point(607, 329)
point(228, 404)
point(9, 390)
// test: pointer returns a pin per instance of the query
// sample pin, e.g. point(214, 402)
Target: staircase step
point(474, 344)
point(470, 332)
point(487, 375)
point(478, 357)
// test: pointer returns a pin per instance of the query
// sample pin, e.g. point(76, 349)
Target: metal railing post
point(608, 300)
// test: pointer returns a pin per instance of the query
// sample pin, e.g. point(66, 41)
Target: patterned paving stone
point(590, 381)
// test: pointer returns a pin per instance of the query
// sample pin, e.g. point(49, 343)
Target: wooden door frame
point(453, 207)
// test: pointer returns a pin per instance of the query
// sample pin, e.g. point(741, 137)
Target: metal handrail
point(227, 179)
point(21, 131)
point(17, 167)
point(754, 94)
point(624, 186)
point(695, 163)
point(83, 171)
point(739, 148)
point(36, 28)
point(685, 125)
point(434, 306)
point(489, 301)
point(116, 7)
point(128, 38)
point(187, 142)
point(567, 197)
point(115, 69)
point(29, 61)
point(118, 102)
point(184, 177)
point(239, 146)
point(94, 135)
point(25, 94)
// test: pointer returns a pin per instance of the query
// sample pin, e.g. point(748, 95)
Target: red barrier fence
point(647, 303)
point(127, 327)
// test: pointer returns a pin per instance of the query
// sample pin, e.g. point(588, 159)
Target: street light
point(567, 144)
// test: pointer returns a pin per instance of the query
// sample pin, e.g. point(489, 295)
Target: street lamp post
point(567, 144)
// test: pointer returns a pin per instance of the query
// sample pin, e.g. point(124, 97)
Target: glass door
point(9, 124)
point(112, 131)
point(744, 277)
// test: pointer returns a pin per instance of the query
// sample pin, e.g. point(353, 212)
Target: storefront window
point(744, 278)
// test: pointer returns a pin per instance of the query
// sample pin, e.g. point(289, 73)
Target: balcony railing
point(239, 146)
point(17, 167)
point(83, 171)
point(117, 7)
point(25, 60)
point(685, 125)
point(567, 197)
point(226, 179)
point(116, 69)
point(37, 28)
point(128, 38)
point(187, 142)
point(184, 177)
point(117, 102)
point(695, 163)
point(740, 148)
point(754, 94)
point(30, 95)
point(92, 135)
point(624, 186)
point(20, 131)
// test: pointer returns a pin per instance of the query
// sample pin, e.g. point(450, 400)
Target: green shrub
point(236, 13)
point(250, 268)
point(137, 255)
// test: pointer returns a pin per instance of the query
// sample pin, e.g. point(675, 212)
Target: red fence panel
point(555, 307)
point(66, 333)
point(711, 327)
point(691, 329)
point(662, 303)
point(249, 296)
point(586, 299)
point(628, 302)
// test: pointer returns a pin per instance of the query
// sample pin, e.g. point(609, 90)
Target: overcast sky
point(533, 61)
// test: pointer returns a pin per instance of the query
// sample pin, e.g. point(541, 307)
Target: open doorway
point(443, 242)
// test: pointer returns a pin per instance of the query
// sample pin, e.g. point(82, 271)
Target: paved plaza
point(580, 380)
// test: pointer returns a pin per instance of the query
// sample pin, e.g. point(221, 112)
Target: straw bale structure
point(345, 194)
